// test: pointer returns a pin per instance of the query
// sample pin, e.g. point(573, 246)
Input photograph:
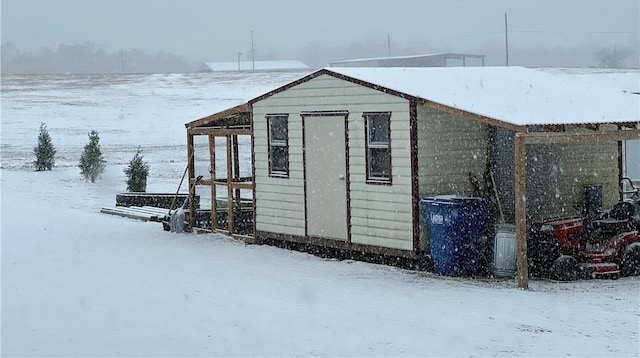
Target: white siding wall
point(380, 214)
point(586, 164)
point(449, 147)
point(558, 173)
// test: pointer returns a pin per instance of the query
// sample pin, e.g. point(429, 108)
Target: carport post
point(521, 220)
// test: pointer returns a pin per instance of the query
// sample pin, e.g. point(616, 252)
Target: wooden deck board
point(144, 213)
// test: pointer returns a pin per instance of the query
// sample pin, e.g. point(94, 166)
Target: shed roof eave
point(474, 116)
point(245, 107)
point(329, 72)
point(514, 126)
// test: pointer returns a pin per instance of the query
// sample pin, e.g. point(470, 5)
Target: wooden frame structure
point(239, 121)
point(228, 124)
point(523, 139)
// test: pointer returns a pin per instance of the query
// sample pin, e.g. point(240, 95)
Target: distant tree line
point(88, 58)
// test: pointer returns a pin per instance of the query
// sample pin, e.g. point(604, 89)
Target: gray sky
point(215, 30)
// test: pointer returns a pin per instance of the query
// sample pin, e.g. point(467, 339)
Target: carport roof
point(514, 95)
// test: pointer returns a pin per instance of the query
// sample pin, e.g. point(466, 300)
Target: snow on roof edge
point(515, 95)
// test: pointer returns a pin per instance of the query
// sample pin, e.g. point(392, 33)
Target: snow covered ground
point(78, 283)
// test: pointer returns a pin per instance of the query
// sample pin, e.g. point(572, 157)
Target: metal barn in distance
point(429, 60)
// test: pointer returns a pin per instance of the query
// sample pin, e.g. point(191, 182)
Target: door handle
point(341, 177)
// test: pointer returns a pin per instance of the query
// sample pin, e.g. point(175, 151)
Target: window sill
point(279, 175)
point(379, 181)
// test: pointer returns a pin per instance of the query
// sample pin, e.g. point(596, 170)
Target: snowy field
point(77, 283)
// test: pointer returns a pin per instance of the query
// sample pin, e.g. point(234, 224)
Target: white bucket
point(504, 251)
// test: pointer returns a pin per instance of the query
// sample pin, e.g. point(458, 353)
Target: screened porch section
point(220, 172)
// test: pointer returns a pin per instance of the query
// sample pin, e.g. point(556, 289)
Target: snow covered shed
point(342, 156)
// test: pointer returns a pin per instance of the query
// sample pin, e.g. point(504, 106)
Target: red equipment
point(607, 245)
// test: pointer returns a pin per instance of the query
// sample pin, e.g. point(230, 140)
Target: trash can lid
point(450, 198)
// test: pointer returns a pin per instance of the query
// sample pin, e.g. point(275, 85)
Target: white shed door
point(325, 167)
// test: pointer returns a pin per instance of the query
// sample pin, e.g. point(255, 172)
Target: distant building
point(432, 60)
point(251, 65)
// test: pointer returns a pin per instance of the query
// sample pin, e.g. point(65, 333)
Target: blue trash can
point(456, 224)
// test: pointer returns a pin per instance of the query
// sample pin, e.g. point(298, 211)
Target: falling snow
point(79, 283)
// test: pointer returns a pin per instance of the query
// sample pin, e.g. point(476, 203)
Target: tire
point(630, 262)
point(564, 268)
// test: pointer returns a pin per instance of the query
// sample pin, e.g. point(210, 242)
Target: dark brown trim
point(415, 180)
point(347, 174)
point(328, 72)
point(368, 178)
point(324, 113)
point(263, 236)
point(370, 85)
point(272, 173)
point(304, 178)
point(253, 169)
point(338, 113)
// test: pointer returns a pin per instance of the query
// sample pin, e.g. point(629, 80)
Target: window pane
point(378, 129)
point(278, 129)
point(278, 158)
point(379, 163)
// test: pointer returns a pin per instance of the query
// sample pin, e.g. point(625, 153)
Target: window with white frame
point(278, 126)
point(378, 147)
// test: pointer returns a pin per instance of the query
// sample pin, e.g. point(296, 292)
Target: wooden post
point(212, 161)
point(229, 186)
point(521, 220)
point(236, 166)
point(192, 175)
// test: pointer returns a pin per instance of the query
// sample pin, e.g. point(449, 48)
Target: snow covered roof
point(249, 65)
point(625, 79)
point(515, 95)
point(425, 56)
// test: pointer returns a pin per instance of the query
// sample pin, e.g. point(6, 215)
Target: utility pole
point(121, 61)
point(506, 38)
point(253, 53)
point(389, 44)
point(239, 54)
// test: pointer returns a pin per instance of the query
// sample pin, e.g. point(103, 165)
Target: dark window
point(278, 145)
point(378, 147)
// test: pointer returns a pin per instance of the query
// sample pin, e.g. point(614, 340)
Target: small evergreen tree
point(45, 151)
point(137, 173)
point(92, 163)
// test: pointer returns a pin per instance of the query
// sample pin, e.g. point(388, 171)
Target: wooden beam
point(216, 116)
point(219, 132)
point(236, 166)
point(242, 185)
point(521, 219)
point(229, 184)
point(212, 163)
point(547, 138)
point(206, 182)
point(234, 184)
point(192, 175)
point(554, 128)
